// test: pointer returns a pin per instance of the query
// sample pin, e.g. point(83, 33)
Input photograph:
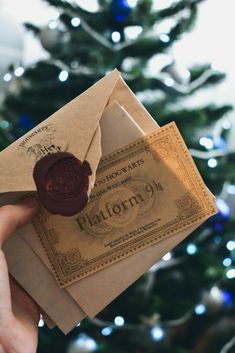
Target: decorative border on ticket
point(140, 242)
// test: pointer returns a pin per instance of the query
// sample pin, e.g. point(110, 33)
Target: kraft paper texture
point(93, 126)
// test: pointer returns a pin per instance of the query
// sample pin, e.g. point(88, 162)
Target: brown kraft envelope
point(101, 282)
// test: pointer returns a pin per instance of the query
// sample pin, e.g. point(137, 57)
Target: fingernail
point(30, 201)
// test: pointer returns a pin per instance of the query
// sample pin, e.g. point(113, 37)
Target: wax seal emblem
point(62, 183)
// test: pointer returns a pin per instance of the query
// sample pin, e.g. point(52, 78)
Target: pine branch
point(30, 27)
point(227, 347)
point(65, 5)
point(176, 8)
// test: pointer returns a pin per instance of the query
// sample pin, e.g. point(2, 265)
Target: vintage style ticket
point(144, 192)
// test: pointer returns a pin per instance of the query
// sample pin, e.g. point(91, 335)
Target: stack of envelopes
point(146, 196)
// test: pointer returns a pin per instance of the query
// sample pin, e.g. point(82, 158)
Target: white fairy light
point(19, 71)
point(191, 249)
point(185, 74)
point(133, 32)
point(224, 210)
point(119, 321)
point(227, 262)
point(169, 81)
point(83, 343)
point(164, 38)
point(230, 245)
point(63, 76)
point(206, 142)
point(4, 124)
point(106, 331)
point(230, 273)
point(153, 268)
point(7, 77)
point(157, 333)
point(226, 124)
point(200, 309)
point(216, 293)
point(41, 323)
point(116, 37)
point(75, 22)
point(167, 257)
point(128, 63)
point(132, 3)
point(212, 162)
point(52, 24)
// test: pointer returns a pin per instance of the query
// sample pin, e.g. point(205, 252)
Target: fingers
point(5, 297)
point(23, 306)
point(15, 216)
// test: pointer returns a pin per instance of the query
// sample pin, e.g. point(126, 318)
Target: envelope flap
point(71, 129)
point(126, 98)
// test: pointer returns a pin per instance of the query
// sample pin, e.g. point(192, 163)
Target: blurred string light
point(207, 142)
point(191, 249)
point(83, 344)
point(227, 262)
point(226, 124)
point(129, 63)
point(230, 245)
point(200, 309)
point(169, 81)
point(167, 257)
point(154, 267)
point(4, 124)
point(157, 333)
point(116, 36)
point(216, 294)
point(119, 321)
point(75, 22)
point(164, 38)
point(63, 75)
point(224, 209)
point(217, 298)
point(19, 71)
point(133, 32)
point(52, 24)
point(132, 3)
point(41, 322)
point(230, 274)
point(7, 77)
point(212, 162)
point(106, 331)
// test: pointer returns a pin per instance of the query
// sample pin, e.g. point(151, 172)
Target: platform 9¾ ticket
point(144, 192)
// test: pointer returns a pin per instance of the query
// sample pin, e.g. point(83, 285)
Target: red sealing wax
point(62, 183)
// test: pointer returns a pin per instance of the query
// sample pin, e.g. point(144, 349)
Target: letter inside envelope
point(146, 196)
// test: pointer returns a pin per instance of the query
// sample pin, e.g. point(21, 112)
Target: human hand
point(19, 315)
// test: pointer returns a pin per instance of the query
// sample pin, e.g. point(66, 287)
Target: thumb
point(14, 216)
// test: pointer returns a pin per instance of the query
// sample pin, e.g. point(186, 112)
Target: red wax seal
point(62, 183)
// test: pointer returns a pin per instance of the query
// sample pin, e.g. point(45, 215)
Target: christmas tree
point(184, 303)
